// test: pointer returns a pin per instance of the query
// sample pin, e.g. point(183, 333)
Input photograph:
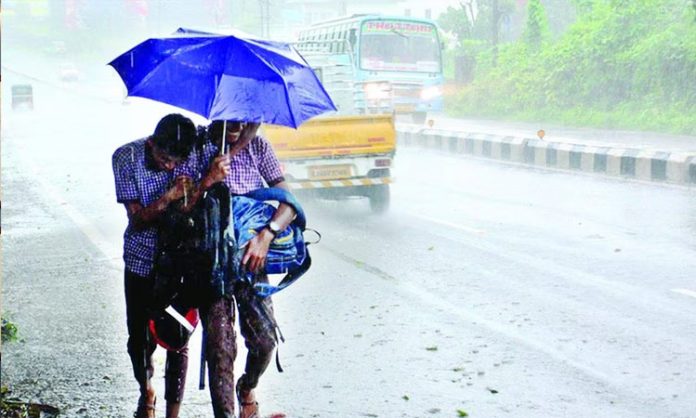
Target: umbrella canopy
point(225, 77)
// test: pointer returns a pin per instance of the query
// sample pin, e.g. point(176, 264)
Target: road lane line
point(107, 247)
point(686, 292)
point(448, 224)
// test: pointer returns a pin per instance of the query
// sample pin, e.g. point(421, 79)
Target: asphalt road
point(492, 289)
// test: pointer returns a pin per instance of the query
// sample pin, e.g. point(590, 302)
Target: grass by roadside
point(11, 405)
point(670, 119)
point(14, 408)
point(10, 408)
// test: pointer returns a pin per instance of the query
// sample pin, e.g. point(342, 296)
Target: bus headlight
point(429, 93)
point(377, 91)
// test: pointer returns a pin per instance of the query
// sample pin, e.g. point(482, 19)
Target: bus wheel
point(379, 198)
point(419, 117)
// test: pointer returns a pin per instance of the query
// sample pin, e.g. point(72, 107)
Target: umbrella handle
point(224, 132)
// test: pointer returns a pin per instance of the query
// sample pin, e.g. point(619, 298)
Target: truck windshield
point(399, 46)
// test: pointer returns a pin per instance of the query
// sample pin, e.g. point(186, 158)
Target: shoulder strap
point(265, 290)
point(283, 196)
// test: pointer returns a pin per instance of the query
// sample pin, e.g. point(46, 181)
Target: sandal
point(145, 410)
point(248, 407)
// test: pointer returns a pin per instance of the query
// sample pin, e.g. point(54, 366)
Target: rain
point(500, 200)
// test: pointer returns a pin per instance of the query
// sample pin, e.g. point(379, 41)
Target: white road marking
point(686, 292)
point(449, 224)
point(111, 251)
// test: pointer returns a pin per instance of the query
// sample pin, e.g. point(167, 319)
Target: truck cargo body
point(338, 156)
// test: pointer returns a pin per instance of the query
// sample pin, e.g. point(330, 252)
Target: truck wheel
point(379, 198)
point(419, 117)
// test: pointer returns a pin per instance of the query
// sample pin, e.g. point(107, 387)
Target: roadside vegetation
point(624, 64)
point(8, 408)
point(8, 331)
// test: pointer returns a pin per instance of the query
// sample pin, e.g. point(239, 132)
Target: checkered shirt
point(136, 183)
point(252, 168)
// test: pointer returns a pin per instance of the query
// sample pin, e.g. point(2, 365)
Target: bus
point(379, 63)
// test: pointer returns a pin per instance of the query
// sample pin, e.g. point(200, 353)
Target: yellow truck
point(346, 154)
point(338, 156)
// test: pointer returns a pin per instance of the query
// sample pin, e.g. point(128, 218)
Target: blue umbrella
point(225, 77)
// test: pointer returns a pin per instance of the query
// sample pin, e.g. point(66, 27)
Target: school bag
point(199, 255)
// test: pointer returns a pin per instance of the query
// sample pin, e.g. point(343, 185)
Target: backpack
point(287, 253)
point(199, 253)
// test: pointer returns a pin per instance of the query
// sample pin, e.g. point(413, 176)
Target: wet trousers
point(258, 327)
point(141, 345)
point(221, 347)
point(220, 352)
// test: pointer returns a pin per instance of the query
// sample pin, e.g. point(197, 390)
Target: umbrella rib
point(287, 93)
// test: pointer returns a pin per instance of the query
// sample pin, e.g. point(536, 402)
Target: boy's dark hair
point(175, 135)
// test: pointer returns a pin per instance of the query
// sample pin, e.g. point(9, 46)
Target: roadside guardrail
point(640, 164)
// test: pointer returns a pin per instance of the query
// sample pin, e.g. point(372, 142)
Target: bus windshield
point(399, 46)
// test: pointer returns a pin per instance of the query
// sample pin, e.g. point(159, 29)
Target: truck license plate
point(327, 172)
point(404, 108)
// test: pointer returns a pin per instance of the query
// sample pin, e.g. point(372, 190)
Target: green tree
point(623, 63)
point(536, 30)
point(561, 14)
point(473, 20)
point(583, 6)
point(476, 25)
point(455, 21)
point(458, 21)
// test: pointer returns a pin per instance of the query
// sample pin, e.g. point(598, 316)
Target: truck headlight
point(430, 92)
point(377, 91)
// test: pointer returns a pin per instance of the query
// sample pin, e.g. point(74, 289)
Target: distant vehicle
point(371, 66)
point(58, 47)
point(22, 97)
point(392, 61)
point(68, 72)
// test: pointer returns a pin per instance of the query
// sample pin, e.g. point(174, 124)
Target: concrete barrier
point(648, 165)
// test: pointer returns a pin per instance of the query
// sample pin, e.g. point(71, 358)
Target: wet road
point(491, 289)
